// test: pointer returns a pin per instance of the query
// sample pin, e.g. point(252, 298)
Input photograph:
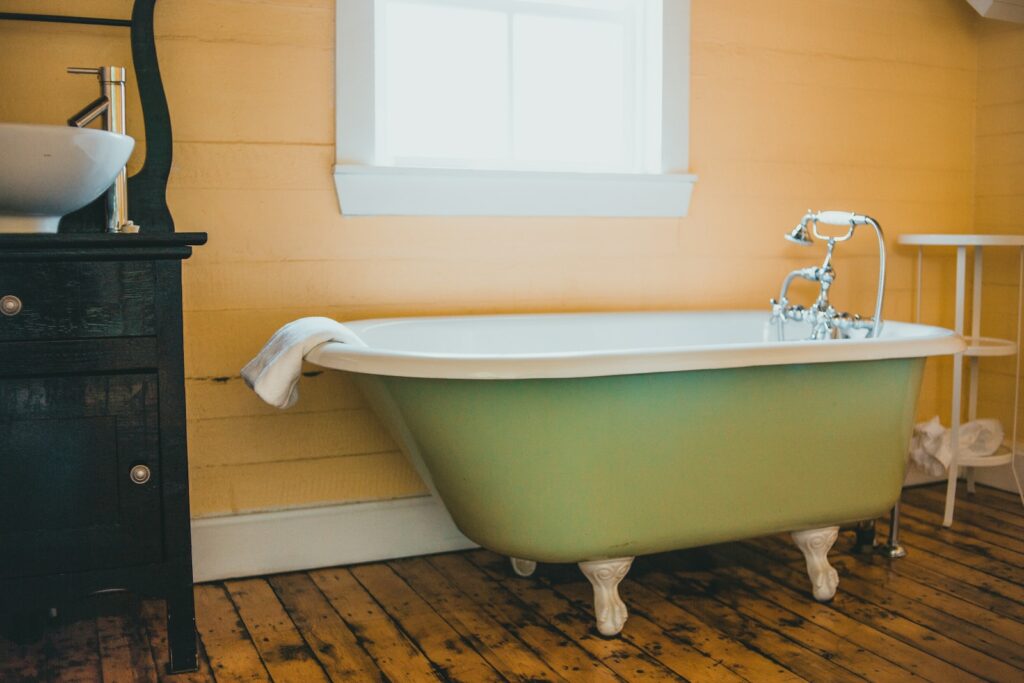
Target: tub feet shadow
point(523, 567)
point(605, 576)
point(815, 544)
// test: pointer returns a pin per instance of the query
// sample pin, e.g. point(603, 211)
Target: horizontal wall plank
point(219, 397)
point(1002, 179)
point(996, 151)
point(1001, 83)
point(1001, 211)
point(267, 22)
point(1000, 46)
point(278, 485)
point(266, 101)
point(839, 70)
point(285, 437)
point(836, 126)
point(252, 166)
point(116, 9)
point(245, 225)
point(1001, 119)
point(876, 30)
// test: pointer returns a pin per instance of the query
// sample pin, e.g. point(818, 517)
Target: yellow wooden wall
point(866, 105)
point(999, 206)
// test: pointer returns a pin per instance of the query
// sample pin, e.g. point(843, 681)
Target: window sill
point(395, 191)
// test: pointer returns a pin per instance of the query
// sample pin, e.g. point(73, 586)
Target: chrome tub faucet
point(109, 105)
point(825, 321)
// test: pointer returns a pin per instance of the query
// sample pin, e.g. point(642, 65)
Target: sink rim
point(50, 170)
point(48, 127)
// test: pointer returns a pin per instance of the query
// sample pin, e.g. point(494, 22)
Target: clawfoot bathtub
point(594, 438)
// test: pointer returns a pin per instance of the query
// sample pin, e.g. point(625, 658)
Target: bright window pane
point(557, 85)
point(444, 90)
point(569, 99)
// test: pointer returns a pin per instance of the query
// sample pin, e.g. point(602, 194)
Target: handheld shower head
point(800, 235)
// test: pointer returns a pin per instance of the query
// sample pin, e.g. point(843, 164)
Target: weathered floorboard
point(952, 611)
point(331, 640)
point(229, 647)
point(395, 655)
point(283, 651)
point(501, 648)
point(442, 645)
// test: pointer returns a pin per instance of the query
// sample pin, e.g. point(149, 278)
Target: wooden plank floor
point(953, 610)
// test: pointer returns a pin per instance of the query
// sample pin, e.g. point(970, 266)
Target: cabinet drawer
point(79, 474)
point(76, 300)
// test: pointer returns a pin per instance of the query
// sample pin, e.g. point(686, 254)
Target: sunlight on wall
point(827, 104)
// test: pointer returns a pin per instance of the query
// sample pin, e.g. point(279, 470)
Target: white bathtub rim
point(926, 341)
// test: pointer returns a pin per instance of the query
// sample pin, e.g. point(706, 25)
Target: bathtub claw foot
point(523, 568)
point(604, 576)
point(815, 544)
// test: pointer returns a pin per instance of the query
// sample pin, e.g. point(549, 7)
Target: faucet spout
point(98, 107)
point(110, 105)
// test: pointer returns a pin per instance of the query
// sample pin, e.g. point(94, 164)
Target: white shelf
point(1003, 456)
point(989, 346)
point(977, 345)
point(962, 240)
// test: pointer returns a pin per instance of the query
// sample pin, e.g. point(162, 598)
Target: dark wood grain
point(67, 503)
point(396, 656)
point(732, 612)
point(499, 646)
point(285, 654)
point(562, 653)
point(330, 639)
point(452, 655)
point(92, 384)
point(576, 622)
point(79, 300)
point(96, 246)
point(28, 359)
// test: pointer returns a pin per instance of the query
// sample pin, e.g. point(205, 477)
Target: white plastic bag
point(930, 447)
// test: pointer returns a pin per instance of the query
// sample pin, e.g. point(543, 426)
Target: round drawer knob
point(10, 305)
point(140, 474)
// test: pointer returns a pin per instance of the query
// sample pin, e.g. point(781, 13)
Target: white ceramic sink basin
point(49, 171)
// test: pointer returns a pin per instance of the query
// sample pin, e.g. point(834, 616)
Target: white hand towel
point(274, 373)
point(932, 444)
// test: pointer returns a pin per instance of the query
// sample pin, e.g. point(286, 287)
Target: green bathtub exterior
point(564, 470)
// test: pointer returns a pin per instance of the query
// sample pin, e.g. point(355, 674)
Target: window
point(513, 107)
point(540, 85)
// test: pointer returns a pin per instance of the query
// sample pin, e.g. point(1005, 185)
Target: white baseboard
point(996, 477)
point(293, 540)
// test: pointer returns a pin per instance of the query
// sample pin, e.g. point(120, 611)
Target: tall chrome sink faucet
point(825, 321)
point(110, 105)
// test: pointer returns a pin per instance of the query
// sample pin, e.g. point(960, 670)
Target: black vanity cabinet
point(93, 461)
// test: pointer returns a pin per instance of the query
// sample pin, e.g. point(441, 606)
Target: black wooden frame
point(82, 240)
point(147, 189)
point(158, 353)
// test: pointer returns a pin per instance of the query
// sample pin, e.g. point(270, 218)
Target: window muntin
point(541, 85)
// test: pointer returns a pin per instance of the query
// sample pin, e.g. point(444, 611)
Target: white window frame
point(368, 190)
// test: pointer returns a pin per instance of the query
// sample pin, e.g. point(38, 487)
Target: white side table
point(978, 347)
